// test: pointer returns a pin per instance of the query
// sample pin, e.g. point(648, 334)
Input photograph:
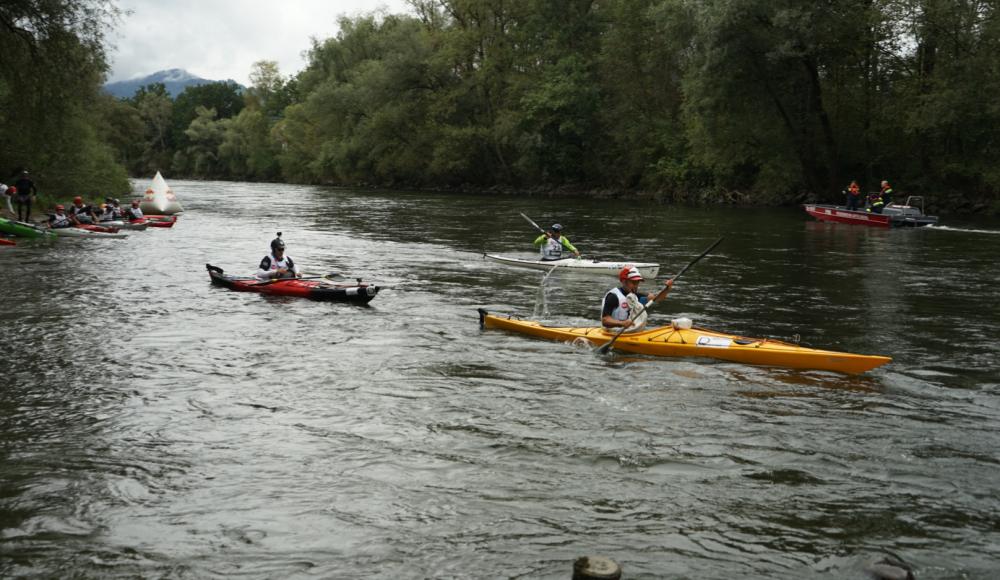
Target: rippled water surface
point(154, 426)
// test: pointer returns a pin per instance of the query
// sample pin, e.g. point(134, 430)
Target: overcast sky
point(221, 39)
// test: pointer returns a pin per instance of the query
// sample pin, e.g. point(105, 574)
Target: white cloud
point(221, 39)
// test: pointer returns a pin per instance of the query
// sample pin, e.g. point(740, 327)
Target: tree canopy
point(764, 101)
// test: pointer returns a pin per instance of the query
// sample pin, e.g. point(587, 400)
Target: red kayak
point(160, 221)
point(6, 242)
point(314, 289)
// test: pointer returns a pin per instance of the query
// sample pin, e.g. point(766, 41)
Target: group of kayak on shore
point(80, 213)
point(23, 191)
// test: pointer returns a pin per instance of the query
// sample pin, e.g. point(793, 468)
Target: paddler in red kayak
point(134, 213)
point(80, 213)
point(277, 264)
point(620, 304)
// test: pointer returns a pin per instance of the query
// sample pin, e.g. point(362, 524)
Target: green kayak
point(23, 230)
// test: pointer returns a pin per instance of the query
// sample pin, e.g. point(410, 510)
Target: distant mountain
point(175, 79)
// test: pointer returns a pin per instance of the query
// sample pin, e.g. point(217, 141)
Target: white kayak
point(580, 265)
point(82, 233)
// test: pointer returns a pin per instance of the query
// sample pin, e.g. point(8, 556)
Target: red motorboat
point(892, 215)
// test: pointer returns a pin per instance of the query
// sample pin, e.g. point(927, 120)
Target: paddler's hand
point(577, 254)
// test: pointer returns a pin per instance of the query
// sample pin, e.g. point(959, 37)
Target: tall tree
point(51, 69)
point(155, 109)
point(225, 98)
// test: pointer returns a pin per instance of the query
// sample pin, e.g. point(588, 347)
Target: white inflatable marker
point(160, 199)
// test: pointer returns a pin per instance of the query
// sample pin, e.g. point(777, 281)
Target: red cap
point(78, 199)
point(12, 190)
point(629, 273)
point(60, 206)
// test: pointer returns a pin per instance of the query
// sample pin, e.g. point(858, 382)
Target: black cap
point(278, 243)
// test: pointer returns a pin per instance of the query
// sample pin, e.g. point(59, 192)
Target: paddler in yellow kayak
point(552, 243)
point(277, 265)
point(621, 304)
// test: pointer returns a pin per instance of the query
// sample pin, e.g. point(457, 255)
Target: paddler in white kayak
point(621, 303)
point(277, 265)
point(80, 213)
point(552, 243)
point(59, 219)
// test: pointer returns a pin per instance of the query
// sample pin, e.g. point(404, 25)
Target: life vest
point(59, 221)
point(107, 216)
point(134, 214)
point(854, 189)
point(627, 304)
point(623, 311)
point(81, 213)
point(552, 249)
point(271, 264)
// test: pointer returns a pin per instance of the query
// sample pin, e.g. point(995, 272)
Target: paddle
point(540, 230)
point(606, 347)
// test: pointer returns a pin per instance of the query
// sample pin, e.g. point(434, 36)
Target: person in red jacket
point(854, 196)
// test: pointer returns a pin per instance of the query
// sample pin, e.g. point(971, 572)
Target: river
point(155, 426)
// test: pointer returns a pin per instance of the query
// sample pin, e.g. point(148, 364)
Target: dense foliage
point(52, 66)
point(760, 101)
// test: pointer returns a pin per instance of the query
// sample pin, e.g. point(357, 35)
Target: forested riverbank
point(754, 102)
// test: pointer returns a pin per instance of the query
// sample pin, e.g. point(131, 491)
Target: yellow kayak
point(699, 342)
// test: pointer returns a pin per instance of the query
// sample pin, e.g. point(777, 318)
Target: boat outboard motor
point(277, 243)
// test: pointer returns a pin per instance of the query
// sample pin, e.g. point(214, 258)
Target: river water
point(154, 426)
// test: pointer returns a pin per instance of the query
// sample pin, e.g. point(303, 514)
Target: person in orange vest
point(853, 196)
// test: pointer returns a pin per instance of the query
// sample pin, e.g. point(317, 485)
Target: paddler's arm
point(264, 271)
point(663, 293)
point(569, 246)
point(538, 241)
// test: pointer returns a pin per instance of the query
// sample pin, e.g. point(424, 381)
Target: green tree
point(224, 97)
point(204, 136)
point(247, 150)
point(51, 69)
point(155, 109)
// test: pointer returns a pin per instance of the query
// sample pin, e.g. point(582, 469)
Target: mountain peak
point(174, 79)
